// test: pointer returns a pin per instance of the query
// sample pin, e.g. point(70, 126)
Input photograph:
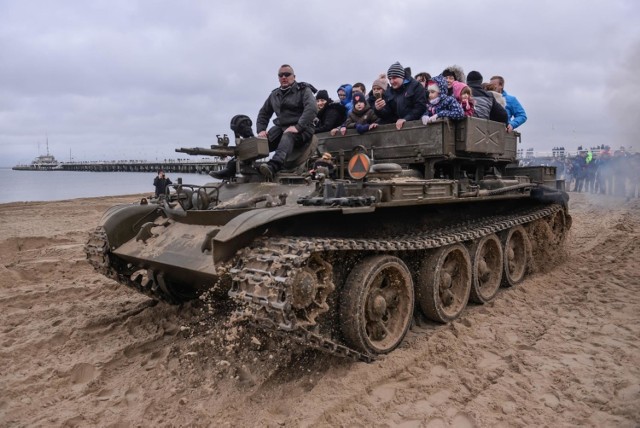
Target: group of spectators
point(596, 170)
point(616, 173)
point(395, 98)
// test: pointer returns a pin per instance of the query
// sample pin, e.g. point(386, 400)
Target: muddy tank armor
point(425, 218)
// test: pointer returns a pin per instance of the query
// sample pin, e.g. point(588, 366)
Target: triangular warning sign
point(359, 165)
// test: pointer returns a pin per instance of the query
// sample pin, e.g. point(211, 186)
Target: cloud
point(135, 79)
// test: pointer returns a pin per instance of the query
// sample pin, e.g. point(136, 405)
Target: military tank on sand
point(427, 218)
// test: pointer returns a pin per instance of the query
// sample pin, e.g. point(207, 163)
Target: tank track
point(271, 264)
point(97, 250)
point(264, 273)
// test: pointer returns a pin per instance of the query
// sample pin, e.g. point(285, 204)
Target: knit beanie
point(433, 86)
point(381, 84)
point(323, 95)
point(396, 70)
point(474, 77)
point(359, 97)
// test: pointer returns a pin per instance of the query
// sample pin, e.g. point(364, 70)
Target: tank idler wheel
point(376, 304)
point(487, 269)
point(515, 256)
point(445, 283)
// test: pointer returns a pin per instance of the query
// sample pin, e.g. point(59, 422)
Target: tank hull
point(441, 218)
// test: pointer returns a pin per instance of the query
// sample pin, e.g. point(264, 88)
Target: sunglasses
point(285, 74)
point(431, 91)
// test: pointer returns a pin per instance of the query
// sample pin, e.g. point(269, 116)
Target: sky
point(134, 79)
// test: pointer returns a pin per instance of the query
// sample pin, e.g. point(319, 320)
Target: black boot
point(229, 171)
point(268, 171)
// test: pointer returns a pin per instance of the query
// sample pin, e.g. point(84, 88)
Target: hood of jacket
point(442, 84)
point(347, 88)
point(457, 88)
point(458, 73)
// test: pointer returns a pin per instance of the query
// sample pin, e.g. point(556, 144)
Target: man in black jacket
point(161, 182)
point(405, 98)
point(295, 109)
point(486, 107)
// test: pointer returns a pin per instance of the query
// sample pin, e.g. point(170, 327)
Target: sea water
point(16, 186)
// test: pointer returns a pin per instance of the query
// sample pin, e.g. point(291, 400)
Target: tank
point(413, 222)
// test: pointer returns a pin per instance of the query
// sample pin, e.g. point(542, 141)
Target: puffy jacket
point(364, 117)
point(294, 106)
point(347, 102)
point(515, 112)
point(486, 106)
point(408, 102)
point(331, 116)
point(447, 106)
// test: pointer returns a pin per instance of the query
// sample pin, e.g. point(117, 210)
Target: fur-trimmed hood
point(458, 72)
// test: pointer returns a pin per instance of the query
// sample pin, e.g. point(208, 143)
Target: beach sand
point(77, 349)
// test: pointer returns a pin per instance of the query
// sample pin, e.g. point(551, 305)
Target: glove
point(433, 118)
point(362, 128)
point(425, 119)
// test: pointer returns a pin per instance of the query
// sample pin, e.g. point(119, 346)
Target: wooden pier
point(187, 166)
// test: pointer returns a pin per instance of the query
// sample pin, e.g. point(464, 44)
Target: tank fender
point(122, 222)
point(243, 228)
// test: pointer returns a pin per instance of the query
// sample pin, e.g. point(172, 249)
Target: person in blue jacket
point(517, 115)
point(344, 95)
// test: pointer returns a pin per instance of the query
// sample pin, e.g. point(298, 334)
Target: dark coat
point(408, 102)
point(161, 185)
point(364, 117)
point(294, 106)
point(486, 106)
point(331, 116)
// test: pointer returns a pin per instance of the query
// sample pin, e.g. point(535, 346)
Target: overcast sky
point(127, 79)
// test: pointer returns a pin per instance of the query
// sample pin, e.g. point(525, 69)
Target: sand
point(77, 349)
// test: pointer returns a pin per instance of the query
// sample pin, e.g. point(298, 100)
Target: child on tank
point(362, 118)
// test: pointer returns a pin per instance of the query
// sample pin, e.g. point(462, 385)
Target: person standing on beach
point(161, 182)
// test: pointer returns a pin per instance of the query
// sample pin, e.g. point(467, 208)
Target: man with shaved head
point(295, 108)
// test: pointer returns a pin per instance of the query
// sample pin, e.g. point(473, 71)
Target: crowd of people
point(616, 173)
point(395, 98)
point(599, 170)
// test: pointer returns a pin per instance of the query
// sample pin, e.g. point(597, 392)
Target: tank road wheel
point(515, 256)
point(310, 289)
point(487, 269)
point(445, 283)
point(376, 304)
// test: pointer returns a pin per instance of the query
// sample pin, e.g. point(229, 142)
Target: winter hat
point(323, 95)
point(433, 86)
point(381, 84)
point(474, 76)
point(358, 97)
point(396, 70)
